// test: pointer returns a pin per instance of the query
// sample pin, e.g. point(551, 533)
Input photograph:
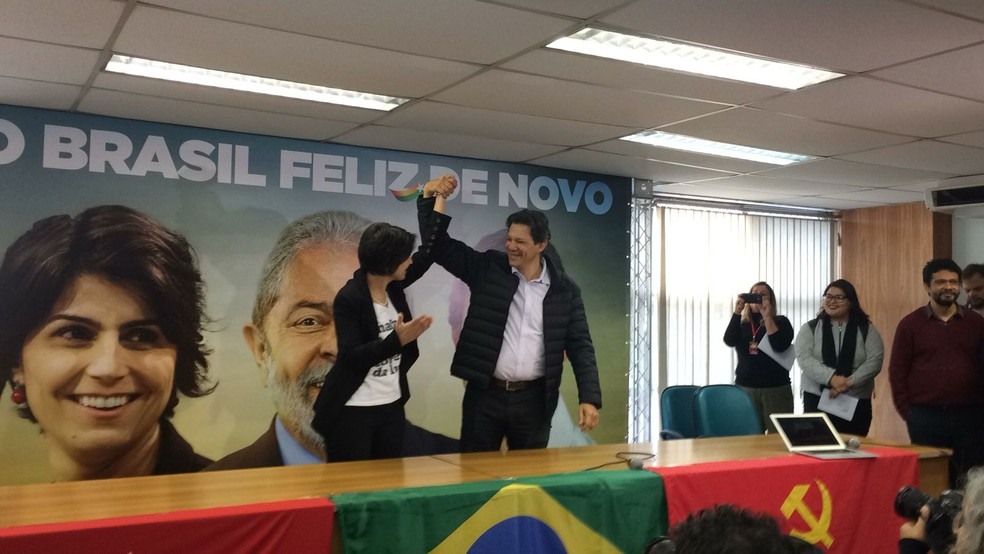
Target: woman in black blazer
point(360, 411)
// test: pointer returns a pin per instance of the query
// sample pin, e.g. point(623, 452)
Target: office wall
point(883, 251)
point(231, 194)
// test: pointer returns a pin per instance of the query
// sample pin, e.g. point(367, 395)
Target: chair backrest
point(724, 411)
point(676, 412)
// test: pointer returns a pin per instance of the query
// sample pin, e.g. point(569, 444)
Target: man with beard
point(935, 371)
point(973, 282)
point(292, 334)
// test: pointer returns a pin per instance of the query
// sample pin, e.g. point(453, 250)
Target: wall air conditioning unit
point(961, 196)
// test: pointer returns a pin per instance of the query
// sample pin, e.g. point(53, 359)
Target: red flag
point(842, 506)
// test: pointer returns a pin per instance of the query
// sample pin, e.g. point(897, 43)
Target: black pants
point(958, 427)
point(857, 426)
point(366, 433)
point(489, 415)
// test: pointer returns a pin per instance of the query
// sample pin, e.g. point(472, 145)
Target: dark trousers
point(958, 427)
point(366, 433)
point(857, 426)
point(489, 415)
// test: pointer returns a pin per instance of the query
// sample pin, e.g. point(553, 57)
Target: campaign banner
point(603, 511)
point(230, 195)
point(837, 505)
point(302, 526)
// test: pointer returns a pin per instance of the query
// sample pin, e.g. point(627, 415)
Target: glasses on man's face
point(833, 298)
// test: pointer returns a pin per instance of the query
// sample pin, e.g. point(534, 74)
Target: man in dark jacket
point(524, 316)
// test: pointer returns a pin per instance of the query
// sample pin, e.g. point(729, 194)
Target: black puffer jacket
point(492, 284)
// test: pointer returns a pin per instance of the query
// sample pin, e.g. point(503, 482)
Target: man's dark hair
point(383, 247)
point(971, 270)
point(535, 220)
point(126, 248)
point(728, 529)
point(939, 264)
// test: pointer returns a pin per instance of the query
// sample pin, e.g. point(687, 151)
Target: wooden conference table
point(87, 500)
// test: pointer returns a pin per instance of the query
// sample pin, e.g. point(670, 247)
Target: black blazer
point(359, 345)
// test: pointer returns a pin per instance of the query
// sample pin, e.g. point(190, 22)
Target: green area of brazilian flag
point(604, 511)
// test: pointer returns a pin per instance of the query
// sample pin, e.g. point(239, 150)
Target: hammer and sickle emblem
point(819, 527)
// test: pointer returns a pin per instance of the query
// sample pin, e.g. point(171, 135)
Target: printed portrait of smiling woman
point(102, 328)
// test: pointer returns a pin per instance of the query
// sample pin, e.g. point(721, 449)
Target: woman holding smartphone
point(762, 340)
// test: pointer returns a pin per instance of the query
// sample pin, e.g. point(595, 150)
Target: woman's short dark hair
point(383, 247)
point(128, 249)
point(535, 220)
point(856, 314)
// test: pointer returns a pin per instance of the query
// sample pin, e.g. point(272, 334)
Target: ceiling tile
point(465, 30)
point(187, 39)
point(928, 155)
point(54, 96)
point(377, 136)
point(853, 173)
point(624, 75)
point(833, 34)
point(959, 72)
point(772, 131)
point(778, 186)
point(533, 95)
point(969, 8)
point(828, 203)
point(46, 62)
point(149, 108)
point(880, 196)
point(86, 23)
point(711, 191)
point(655, 153)
point(574, 8)
point(878, 105)
point(613, 164)
point(975, 138)
point(462, 120)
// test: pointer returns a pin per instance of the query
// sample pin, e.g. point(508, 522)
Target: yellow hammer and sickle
point(819, 528)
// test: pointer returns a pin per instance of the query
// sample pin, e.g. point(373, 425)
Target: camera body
point(751, 297)
point(942, 513)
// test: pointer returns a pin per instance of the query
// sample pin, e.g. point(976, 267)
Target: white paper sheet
point(842, 406)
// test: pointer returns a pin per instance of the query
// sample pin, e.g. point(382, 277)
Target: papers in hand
point(784, 358)
point(842, 406)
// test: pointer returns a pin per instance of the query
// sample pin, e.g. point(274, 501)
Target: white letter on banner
point(510, 190)
point(571, 197)
point(602, 207)
point(15, 142)
point(405, 173)
point(327, 173)
point(63, 148)
point(352, 185)
point(538, 184)
point(474, 187)
point(224, 164)
point(242, 175)
point(109, 147)
point(155, 157)
point(438, 170)
point(197, 166)
point(289, 160)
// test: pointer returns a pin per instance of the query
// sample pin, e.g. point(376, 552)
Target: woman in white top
point(840, 353)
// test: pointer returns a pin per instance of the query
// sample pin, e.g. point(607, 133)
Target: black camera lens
point(909, 501)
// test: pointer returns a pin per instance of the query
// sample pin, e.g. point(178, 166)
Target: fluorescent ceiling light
point(692, 59)
point(250, 83)
point(701, 146)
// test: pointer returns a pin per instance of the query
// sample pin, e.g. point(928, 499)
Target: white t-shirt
point(382, 384)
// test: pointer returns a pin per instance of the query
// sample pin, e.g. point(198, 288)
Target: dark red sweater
point(936, 363)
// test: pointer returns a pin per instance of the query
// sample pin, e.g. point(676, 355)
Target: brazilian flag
point(604, 511)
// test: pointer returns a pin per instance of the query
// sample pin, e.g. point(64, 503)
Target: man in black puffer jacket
point(525, 314)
